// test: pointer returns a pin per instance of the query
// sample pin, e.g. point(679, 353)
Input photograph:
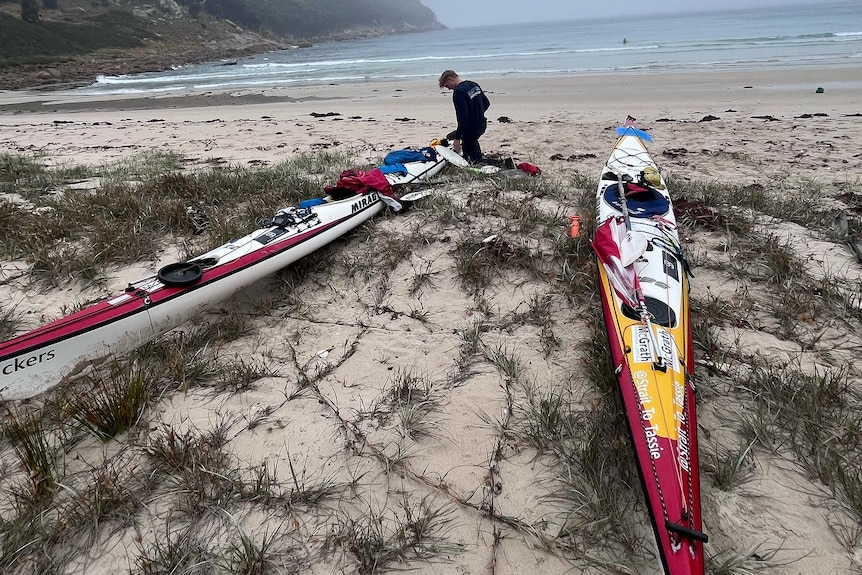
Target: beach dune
point(358, 338)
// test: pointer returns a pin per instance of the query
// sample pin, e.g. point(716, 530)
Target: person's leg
point(471, 149)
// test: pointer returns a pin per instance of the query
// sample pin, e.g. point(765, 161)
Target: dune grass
point(8, 322)
point(67, 234)
point(171, 476)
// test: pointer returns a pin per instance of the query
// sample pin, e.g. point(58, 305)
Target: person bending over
point(470, 105)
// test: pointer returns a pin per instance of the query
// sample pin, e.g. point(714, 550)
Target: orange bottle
point(575, 226)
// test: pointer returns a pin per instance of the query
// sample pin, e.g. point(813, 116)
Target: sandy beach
point(550, 116)
point(767, 128)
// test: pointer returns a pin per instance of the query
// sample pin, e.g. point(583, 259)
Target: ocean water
point(819, 35)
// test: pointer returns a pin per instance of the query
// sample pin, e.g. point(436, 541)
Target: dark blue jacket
point(470, 105)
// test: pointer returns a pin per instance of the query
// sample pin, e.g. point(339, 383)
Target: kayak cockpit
point(660, 312)
point(641, 201)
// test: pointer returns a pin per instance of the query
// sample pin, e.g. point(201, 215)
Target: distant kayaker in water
point(470, 105)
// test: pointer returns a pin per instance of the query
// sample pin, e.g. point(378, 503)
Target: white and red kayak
point(643, 278)
point(40, 359)
point(43, 358)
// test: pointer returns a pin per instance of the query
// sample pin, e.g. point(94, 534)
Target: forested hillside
point(324, 18)
point(51, 42)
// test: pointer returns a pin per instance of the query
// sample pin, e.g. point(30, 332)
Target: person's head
point(449, 79)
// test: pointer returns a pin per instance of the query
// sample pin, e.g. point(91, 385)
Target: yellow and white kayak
point(643, 279)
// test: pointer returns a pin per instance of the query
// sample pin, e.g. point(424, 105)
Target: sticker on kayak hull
point(671, 266)
point(364, 202)
point(269, 236)
point(667, 348)
point(642, 348)
point(19, 364)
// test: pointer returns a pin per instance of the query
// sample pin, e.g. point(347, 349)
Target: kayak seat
point(661, 313)
point(643, 203)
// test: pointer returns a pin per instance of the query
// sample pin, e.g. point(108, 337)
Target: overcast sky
point(459, 13)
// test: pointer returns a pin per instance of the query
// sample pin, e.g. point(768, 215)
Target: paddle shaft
point(422, 173)
point(623, 204)
point(419, 175)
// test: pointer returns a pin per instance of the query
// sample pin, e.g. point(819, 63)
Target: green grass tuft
point(112, 400)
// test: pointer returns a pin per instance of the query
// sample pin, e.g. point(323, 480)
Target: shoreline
point(765, 114)
point(674, 87)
